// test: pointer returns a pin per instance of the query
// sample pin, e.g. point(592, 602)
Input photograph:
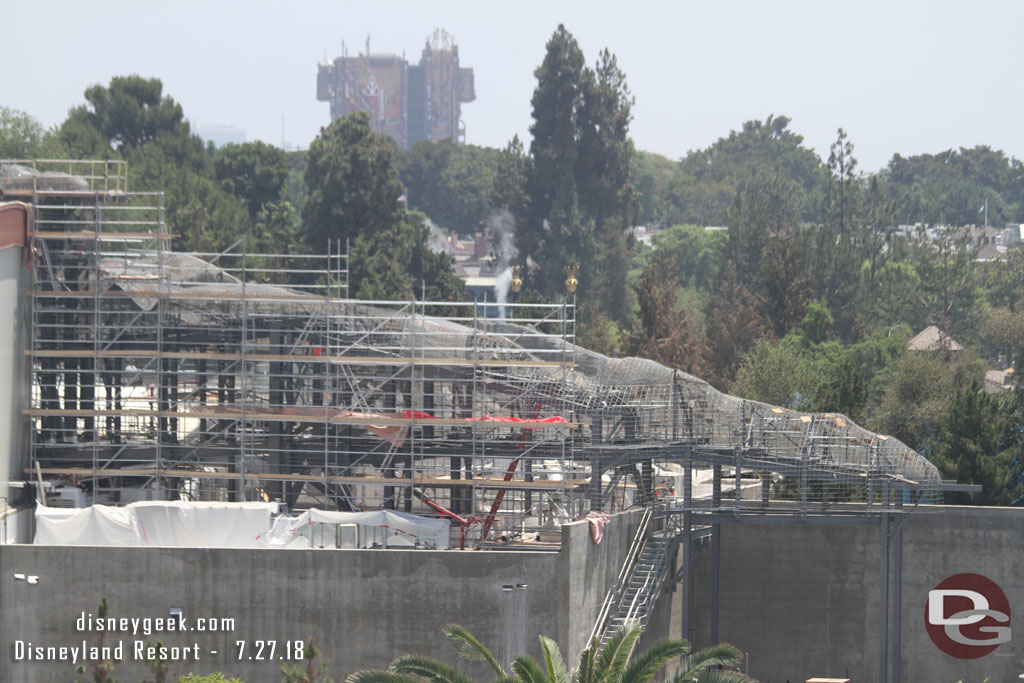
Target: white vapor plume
point(437, 240)
point(503, 231)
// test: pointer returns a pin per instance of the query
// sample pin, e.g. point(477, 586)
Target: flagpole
point(986, 212)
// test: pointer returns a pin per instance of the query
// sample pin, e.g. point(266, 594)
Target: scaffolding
point(159, 374)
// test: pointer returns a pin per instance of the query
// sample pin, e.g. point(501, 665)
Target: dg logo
point(967, 616)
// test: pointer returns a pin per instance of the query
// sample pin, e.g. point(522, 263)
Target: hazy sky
point(901, 76)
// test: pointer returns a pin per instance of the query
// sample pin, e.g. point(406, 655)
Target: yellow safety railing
point(103, 175)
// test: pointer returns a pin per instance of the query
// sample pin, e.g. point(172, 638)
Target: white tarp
point(202, 525)
point(380, 528)
point(157, 523)
point(234, 525)
point(96, 525)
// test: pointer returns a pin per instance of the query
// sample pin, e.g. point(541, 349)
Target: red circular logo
point(967, 616)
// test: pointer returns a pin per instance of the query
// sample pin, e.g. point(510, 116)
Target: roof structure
point(932, 338)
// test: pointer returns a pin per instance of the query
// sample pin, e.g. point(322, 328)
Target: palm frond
point(472, 648)
point(723, 677)
point(528, 670)
point(428, 668)
point(585, 671)
point(616, 652)
point(553, 661)
point(377, 676)
point(698, 662)
point(643, 666)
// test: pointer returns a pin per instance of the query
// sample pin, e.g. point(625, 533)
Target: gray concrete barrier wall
point(363, 607)
point(804, 600)
point(801, 600)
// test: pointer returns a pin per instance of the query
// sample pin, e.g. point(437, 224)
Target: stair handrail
point(652, 583)
point(615, 592)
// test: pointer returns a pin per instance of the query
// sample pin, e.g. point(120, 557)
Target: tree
point(899, 298)
point(580, 199)
point(307, 671)
point(133, 120)
point(353, 184)
point(976, 446)
point(707, 180)
point(762, 248)
point(155, 664)
point(1001, 333)
point(839, 240)
point(781, 373)
point(556, 235)
point(602, 174)
point(951, 186)
point(665, 334)
point(555, 102)
point(1004, 281)
point(252, 171)
point(842, 166)
point(277, 233)
point(945, 263)
point(786, 281)
point(919, 387)
point(101, 669)
point(204, 216)
point(817, 322)
point(129, 112)
point(412, 668)
point(431, 271)
point(702, 666)
point(698, 253)
point(734, 328)
point(651, 177)
point(353, 196)
point(509, 190)
point(21, 135)
point(379, 263)
point(877, 239)
point(451, 183)
point(615, 662)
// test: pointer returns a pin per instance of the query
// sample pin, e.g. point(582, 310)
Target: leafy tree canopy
point(353, 184)
point(707, 180)
point(129, 112)
point(254, 172)
point(453, 184)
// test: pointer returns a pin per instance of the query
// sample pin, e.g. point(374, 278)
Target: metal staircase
point(635, 592)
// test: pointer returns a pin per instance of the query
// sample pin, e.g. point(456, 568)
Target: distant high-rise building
point(409, 103)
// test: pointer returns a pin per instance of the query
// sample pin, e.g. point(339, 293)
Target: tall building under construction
point(409, 103)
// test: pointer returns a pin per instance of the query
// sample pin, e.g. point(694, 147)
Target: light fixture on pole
point(570, 281)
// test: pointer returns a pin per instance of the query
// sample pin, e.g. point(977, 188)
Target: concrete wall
point(364, 607)
point(801, 600)
point(804, 600)
point(13, 331)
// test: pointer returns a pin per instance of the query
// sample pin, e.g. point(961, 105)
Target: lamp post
point(570, 285)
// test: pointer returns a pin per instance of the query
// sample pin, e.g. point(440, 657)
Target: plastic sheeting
point(380, 528)
point(202, 525)
point(96, 525)
point(234, 525)
point(171, 523)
